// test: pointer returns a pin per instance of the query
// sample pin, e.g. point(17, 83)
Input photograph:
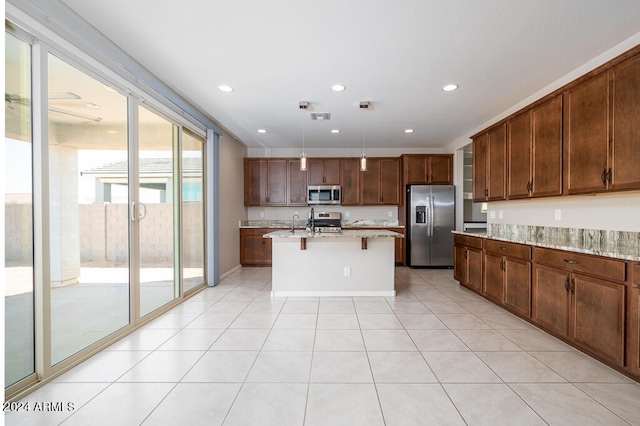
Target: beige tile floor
point(436, 354)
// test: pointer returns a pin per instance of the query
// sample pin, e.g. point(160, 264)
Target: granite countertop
point(599, 243)
point(352, 233)
point(301, 224)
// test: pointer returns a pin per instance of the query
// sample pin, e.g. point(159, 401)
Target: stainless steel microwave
point(324, 194)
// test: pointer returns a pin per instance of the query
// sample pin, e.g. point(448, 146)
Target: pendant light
point(303, 156)
point(363, 160)
point(303, 105)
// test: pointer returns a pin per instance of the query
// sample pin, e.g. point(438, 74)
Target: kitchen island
point(346, 263)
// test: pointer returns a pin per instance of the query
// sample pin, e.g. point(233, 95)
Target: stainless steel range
point(325, 221)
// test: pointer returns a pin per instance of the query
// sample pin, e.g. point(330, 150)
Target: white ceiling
point(395, 54)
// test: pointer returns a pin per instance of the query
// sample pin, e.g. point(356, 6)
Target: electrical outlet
point(262, 214)
point(558, 214)
point(347, 271)
point(390, 213)
point(492, 214)
point(347, 214)
point(500, 214)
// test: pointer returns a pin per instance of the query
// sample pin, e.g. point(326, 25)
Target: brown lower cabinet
point(254, 249)
point(590, 302)
point(633, 321)
point(467, 261)
point(572, 299)
point(507, 275)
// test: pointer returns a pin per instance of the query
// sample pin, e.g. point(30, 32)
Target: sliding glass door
point(19, 361)
point(88, 210)
point(193, 252)
point(156, 211)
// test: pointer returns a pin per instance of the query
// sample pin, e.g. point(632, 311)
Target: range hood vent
point(320, 116)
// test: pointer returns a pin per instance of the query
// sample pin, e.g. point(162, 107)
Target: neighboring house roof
point(147, 166)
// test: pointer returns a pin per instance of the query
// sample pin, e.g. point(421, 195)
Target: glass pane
point(18, 217)
point(157, 193)
point(89, 226)
point(192, 211)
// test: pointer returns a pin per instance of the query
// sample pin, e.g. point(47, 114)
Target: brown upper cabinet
point(489, 164)
point(429, 169)
point(350, 181)
point(296, 184)
point(323, 171)
point(274, 182)
point(535, 151)
point(265, 182)
point(601, 131)
point(381, 182)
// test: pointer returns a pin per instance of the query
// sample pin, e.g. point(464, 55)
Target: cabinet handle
point(603, 176)
point(566, 285)
point(571, 262)
point(502, 268)
point(573, 286)
point(503, 248)
point(465, 254)
point(609, 176)
point(486, 192)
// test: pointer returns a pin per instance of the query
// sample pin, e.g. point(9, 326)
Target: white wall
point(349, 213)
point(232, 207)
point(611, 212)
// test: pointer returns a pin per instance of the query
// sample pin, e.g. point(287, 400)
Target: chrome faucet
point(293, 223)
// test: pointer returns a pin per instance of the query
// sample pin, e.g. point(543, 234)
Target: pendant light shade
point(303, 162)
point(303, 156)
point(363, 162)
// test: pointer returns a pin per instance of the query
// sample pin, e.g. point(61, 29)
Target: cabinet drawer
point(588, 264)
point(465, 240)
point(508, 249)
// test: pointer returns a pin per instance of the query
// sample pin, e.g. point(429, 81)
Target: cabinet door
point(416, 169)
point(518, 285)
point(255, 182)
point(350, 181)
point(519, 140)
point(390, 181)
point(586, 135)
point(332, 171)
point(440, 168)
point(297, 185)
point(315, 171)
point(625, 148)
point(547, 148)
point(633, 322)
point(550, 299)
point(474, 269)
point(497, 162)
point(371, 182)
point(460, 262)
point(493, 277)
point(599, 316)
point(277, 182)
point(480, 190)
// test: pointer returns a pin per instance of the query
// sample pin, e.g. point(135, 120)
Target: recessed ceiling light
point(409, 130)
point(335, 131)
point(338, 87)
point(262, 131)
point(225, 88)
point(112, 132)
point(450, 87)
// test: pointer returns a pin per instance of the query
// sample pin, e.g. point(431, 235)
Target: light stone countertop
point(612, 250)
point(348, 233)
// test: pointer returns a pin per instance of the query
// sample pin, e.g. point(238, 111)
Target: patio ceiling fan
point(11, 100)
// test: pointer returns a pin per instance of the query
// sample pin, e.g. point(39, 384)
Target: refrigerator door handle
point(432, 214)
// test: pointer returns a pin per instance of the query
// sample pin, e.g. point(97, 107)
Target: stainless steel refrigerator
point(430, 220)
